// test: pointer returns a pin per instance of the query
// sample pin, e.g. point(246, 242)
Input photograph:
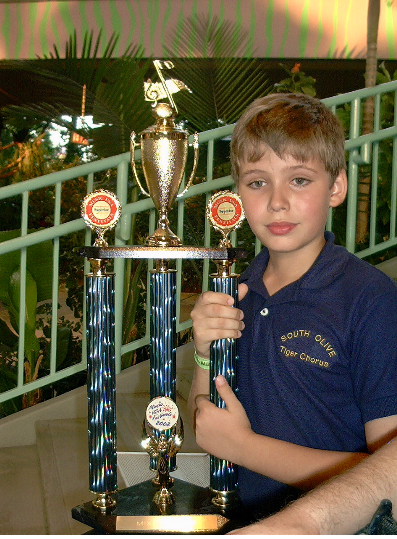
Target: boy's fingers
point(233, 405)
point(200, 399)
point(242, 291)
point(206, 309)
point(226, 393)
point(215, 297)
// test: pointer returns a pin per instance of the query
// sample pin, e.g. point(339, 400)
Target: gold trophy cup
point(164, 149)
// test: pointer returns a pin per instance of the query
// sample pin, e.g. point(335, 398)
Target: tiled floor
point(21, 492)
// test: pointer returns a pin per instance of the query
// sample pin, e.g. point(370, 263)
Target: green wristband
point(201, 361)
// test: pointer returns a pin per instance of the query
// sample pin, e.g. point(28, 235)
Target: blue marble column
point(163, 339)
point(223, 359)
point(101, 389)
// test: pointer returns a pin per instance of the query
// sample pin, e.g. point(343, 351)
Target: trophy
point(163, 156)
point(225, 213)
point(101, 211)
point(163, 504)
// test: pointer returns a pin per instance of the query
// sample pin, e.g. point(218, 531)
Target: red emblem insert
point(101, 210)
point(226, 211)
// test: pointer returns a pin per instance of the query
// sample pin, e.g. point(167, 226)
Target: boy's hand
point(242, 291)
point(223, 432)
point(214, 317)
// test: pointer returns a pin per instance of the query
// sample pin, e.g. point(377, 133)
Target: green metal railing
point(362, 150)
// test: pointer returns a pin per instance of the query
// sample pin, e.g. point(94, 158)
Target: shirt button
point(265, 311)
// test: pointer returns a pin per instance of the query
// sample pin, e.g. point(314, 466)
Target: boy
point(317, 369)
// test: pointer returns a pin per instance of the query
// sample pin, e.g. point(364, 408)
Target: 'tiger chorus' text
point(303, 334)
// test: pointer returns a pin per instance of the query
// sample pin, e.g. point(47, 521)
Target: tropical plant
point(93, 75)
point(209, 62)
point(297, 81)
point(37, 341)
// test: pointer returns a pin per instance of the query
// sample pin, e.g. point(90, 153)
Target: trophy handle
point(195, 161)
point(132, 151)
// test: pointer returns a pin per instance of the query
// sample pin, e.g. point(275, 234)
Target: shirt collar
point(328, 266)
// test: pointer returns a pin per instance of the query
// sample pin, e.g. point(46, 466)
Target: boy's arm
point(379, 431)
point(342, 506)
point(199, 387)
point(214, 317)
point(227, 434)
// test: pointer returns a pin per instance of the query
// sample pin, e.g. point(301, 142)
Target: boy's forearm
point(293, 464)
point(200, 386)
point(341, 506)
point(294, 520)
point(349, 501)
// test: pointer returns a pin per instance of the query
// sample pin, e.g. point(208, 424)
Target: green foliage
point(24, 160)
point(385, 171)
point(297, 81)
point(41, 273)
point(222, 83)
point(37, 334)
point(383, 75)
point(14, 288)
point(119, 105)
point(111, 87)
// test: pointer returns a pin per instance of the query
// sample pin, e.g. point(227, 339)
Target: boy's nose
point(278, 200)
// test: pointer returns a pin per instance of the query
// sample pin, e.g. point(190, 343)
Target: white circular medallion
point(162, 413)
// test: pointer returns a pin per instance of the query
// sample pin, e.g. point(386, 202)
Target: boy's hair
point(291, 125)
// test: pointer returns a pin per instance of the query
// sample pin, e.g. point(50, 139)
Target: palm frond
point(223, 82)
point(205, 37)
point(119, 103)
point(90, 66)
point(222, 89)
point(114, 91)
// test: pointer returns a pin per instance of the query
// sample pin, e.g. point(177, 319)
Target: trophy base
point(135, 512)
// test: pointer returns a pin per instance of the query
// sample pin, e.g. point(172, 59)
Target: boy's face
point(286, 202)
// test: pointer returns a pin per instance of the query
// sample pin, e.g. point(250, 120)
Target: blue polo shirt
point(318, 359)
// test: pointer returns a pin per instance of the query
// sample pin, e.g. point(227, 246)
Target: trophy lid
point(163, 110)
point(164, 115)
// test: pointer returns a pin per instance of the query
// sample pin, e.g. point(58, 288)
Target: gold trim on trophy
point(225, 213)
point(171, 523)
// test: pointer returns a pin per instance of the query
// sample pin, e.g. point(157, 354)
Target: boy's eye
point(300, 182)
point(257, 184)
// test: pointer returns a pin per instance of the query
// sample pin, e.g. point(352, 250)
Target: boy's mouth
point(280, 228)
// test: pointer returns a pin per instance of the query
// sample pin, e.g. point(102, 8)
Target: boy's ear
point(339, 190)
